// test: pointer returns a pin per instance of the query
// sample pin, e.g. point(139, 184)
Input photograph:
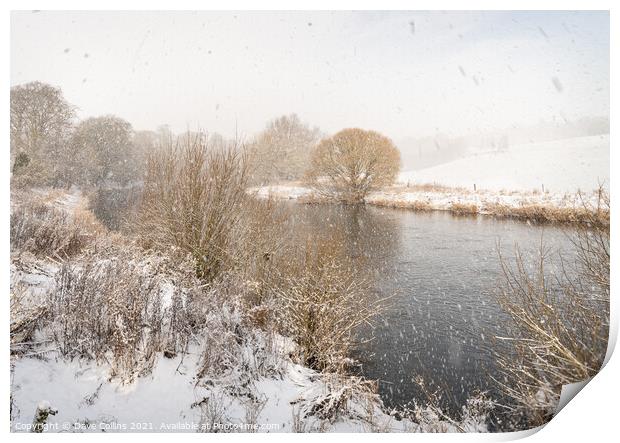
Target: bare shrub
point(262, 238)
point(323, 301)
point(341, 398)
point(192, 198)
point(561, 324)
point(46, 231)
point(221, 347)
point(430, 417)
point(253, 408)
point(212, 412)
point(231, 346)
point(592, 242)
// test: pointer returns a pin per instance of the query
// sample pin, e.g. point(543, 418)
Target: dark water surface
point(442, 271)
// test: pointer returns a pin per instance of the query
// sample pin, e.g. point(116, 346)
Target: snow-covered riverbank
point(552, 181)
point(233, 375)
point(539, 206)
point(266, 391)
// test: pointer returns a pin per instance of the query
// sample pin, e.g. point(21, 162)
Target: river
point(441, 271)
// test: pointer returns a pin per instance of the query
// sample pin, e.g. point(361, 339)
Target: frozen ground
point(561, 166)
point(168, 399)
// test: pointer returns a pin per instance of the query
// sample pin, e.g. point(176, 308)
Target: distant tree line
point(51, 147)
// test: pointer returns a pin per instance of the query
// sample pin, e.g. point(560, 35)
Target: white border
point(590, 416)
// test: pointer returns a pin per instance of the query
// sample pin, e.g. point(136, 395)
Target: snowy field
point(564, 166)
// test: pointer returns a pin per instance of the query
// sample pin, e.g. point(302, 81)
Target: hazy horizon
point(405, 74)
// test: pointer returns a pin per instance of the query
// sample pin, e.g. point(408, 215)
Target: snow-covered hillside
point(567, 165)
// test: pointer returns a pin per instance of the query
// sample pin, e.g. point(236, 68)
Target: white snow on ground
point(169, 399)
point(88, 399)
point(165, 400)
point(568, 165)
point(445, 199)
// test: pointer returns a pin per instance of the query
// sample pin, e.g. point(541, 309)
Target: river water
point(442, 271)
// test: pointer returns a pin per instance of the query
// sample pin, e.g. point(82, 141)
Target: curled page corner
point(569, 392)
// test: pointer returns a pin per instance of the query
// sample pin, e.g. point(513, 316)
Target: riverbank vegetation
point(560, 319)
point(268, 334)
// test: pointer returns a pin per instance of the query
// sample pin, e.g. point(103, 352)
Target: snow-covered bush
point(231, 345)
point(560, 322)
point(323, 301)
point(46, 231)
point(108, 309)
point(342, 396)
point(118, 306)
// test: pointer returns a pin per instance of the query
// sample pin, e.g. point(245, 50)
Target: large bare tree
point(350, 164)
point(41, 120)
point(282, 150)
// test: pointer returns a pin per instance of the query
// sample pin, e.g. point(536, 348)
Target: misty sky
point(401, 73)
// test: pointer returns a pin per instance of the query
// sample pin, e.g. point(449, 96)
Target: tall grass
point(43, 230)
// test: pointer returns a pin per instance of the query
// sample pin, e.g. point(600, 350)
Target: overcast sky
point(402, 73)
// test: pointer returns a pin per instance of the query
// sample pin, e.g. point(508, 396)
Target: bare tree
point(353, 162)
point(102, 150)
point(41, 119)
point(282, 150)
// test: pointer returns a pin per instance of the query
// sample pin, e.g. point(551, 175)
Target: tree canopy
point(348, 165)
